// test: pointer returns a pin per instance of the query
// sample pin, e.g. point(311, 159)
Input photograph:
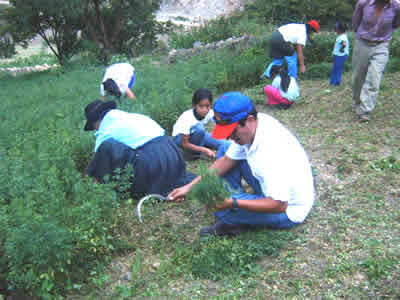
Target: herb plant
point(211, 190)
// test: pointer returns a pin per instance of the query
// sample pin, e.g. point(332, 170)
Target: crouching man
point(124, 138)
point(269, 158)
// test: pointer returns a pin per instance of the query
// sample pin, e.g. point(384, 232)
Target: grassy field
point(348, 247)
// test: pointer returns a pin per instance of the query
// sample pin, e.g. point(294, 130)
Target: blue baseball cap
point(228, 110)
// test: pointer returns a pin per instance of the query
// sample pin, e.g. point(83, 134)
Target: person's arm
point(357, 16)
point(396, 20)
point(189, 146)
point(130, 94)
point(222, 165)
point(263, 205)
point(343, 46)
point(300, 57)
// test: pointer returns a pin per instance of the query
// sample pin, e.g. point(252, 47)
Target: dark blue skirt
point(158, 165)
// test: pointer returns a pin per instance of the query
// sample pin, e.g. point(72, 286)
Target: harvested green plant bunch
point(211, 190)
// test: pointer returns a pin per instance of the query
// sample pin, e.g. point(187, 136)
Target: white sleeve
point(276, 83)
point(302, 35)
point(236, 152)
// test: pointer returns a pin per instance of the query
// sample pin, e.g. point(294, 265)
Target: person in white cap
point(281, 45)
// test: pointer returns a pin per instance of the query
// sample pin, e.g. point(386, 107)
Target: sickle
point(144, 199)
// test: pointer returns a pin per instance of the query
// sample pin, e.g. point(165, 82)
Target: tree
point(293, 11)
point(56, 21)
point(120, 26)
point(115, 26)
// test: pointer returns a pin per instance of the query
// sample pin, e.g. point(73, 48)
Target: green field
point(64, 235)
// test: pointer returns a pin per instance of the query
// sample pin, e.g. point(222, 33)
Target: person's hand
point(179, 194)
point(228, 202)
point(209, 153)
point(302, 68)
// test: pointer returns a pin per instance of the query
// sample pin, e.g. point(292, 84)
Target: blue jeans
point(241, 216)
point(337, 69)
point(292, 65)
point(200, 137)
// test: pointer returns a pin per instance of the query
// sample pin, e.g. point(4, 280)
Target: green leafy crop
point(211, 190)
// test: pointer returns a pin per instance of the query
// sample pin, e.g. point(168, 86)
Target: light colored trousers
point(368, 62)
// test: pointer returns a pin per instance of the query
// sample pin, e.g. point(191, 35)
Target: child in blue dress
point(340, 53)
point(189, 130)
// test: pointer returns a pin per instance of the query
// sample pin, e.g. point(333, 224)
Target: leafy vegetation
point(211, 190)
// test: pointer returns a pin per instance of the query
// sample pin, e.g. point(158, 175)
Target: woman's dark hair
point(285, 78)
point(112, 88)
point(201, 94)
point(341, 27)
point(309, 29)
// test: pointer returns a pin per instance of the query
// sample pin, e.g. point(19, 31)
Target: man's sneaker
point(221, 228)
point(363, 118)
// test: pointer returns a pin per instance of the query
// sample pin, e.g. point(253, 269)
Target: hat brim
point(90, 120)
point(223, 131)
point(88, 126)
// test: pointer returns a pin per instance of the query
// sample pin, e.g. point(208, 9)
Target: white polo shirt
point(121, 73)
point(294, 33)
point(281, 166)
point(187, 120)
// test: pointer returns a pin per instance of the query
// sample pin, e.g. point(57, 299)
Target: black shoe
point(220, 229)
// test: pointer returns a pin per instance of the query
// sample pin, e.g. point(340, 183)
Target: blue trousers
point(337, 69)
point(200, 137)
point(290, 60)
point(242, 216)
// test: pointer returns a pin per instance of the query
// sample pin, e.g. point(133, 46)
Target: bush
point(219, 258)
point(7, 46)
point(211, 31)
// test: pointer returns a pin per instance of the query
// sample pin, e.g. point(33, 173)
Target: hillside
point(347, 248)
point(64, 236)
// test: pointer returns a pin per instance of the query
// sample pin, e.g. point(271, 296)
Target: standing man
point(124, 139)
point(287, 42)
point(374, 22)
point(269, 158)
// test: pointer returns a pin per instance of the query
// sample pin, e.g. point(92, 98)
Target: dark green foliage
point(300, 11)
point(219, 258)
point(211, 190)
point(55, 225)
point(221, 28)
point(7, 46)
point(57, 22)
point(126, 26)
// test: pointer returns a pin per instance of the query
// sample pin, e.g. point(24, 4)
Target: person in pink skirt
point(284, 90)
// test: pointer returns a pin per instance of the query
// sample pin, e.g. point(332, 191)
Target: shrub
point(211, 31)
point(211, 190)
point(7, 46)
point(219, 258)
